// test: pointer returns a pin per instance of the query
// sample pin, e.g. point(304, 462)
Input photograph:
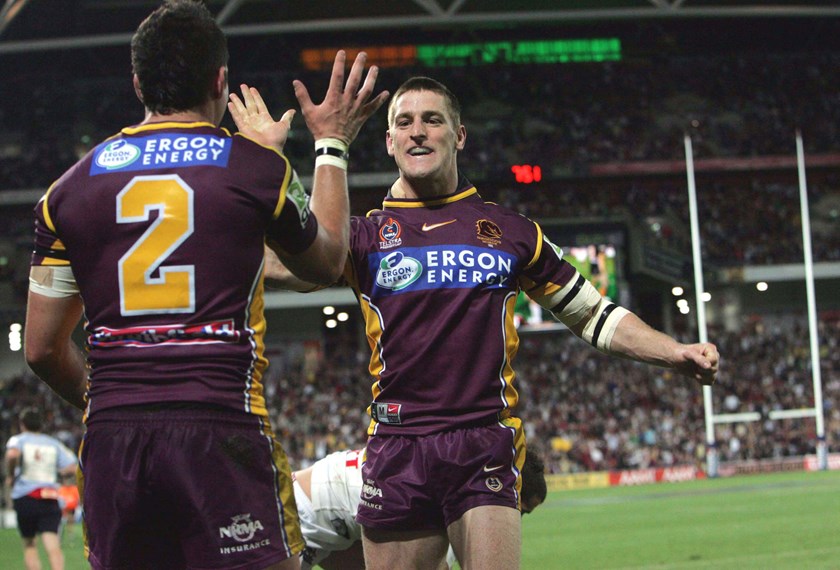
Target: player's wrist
point(332, 151)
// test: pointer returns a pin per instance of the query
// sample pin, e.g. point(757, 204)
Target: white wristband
point(331, 160)
point(331, 143)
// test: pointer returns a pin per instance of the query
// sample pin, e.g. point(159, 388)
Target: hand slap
point(253, 119)
point(345, 107)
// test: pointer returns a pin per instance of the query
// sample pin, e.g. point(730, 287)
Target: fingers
point(287, 117)
point(257, 99)
point(302, 95)
point(337, 76)
point(355, 77)
point(345, 107)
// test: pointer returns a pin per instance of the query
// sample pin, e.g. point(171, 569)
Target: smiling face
point(424, 137)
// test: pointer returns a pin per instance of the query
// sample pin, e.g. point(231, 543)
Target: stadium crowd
point(639, 112)
point(568, 119)
point(582, 410)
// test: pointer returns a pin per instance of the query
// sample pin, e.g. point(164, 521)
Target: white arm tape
point(53, 281)
point(600, 329)
point(574, 301)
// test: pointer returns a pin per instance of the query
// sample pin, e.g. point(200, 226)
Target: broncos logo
point(488, 232)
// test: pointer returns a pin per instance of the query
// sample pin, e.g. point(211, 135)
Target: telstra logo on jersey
point(389, 234)
point(397, 271)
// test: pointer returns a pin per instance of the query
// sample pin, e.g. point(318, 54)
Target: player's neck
point(182, 117)
point(423, 189)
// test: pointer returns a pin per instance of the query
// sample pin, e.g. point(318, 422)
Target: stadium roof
point(38, 25)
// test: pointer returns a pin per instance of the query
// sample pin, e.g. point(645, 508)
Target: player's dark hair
point(533, 478)
point(175, 53)
point(32, 419)
point(421, 83)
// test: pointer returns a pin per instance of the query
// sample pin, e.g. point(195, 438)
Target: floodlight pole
point(711, 446)
point(822, 451)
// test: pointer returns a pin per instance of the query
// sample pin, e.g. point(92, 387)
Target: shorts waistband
point(187, 412)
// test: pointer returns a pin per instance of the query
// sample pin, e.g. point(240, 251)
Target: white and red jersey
point(328, 517)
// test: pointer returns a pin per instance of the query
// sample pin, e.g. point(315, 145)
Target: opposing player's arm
point(10, 463)
point(52, 314)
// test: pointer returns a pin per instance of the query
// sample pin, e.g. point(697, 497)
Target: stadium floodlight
point(761, 286)
point(329, 310)
point(331, 323)
point(342, 316)
point(677, 291)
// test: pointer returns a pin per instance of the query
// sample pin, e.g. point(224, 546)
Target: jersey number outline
point(173, 289)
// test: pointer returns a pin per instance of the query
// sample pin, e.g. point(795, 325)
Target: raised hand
point(345, 107)
point(255, 122)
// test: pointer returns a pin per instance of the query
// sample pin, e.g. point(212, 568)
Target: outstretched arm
point(636, 340)
point(334, 123)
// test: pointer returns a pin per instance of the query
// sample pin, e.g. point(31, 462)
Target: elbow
point(39, 357)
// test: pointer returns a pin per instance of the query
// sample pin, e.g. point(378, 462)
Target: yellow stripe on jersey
point(286, 506)
point(538, 249)
point(257, 324)
point(45, 210)
point(284, 187)
point(519, 451)
point(373, 331)
point(510, 395)
point(430, 203)
point(165, 125)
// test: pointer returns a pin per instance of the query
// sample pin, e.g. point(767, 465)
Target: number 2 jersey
point(163, 226)
point(437, 282)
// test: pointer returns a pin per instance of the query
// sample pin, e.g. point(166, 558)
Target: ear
point(461, 137)
point(220, 83)
point(389, 142)
point(136, 81)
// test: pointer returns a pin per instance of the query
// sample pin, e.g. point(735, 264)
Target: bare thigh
point(487, 537)
point(406, 550)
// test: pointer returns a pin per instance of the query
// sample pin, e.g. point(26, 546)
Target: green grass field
point(778, 521)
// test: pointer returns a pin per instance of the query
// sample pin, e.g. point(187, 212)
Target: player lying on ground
point(328, 494)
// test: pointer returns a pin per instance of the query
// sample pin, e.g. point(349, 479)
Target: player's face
point(423, 137)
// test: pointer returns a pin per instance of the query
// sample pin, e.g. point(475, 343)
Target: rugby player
point(436, 273)
point(35, 463)
point(157, 237)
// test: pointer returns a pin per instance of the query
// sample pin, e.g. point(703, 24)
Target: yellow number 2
point(173, 289)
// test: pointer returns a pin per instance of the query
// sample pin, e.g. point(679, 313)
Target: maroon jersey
point(437, 282)
point(163, 226)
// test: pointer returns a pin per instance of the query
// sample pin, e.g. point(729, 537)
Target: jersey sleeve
point(273, 182)
point(294, 227)
point(548, 279)
point(48, 249)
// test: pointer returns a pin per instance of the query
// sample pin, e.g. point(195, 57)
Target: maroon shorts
point(186, 489)
point(429, 482)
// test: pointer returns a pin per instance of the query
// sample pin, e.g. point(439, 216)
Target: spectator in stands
point(35, 463)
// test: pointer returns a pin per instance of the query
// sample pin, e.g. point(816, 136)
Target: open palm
point(255, 122)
